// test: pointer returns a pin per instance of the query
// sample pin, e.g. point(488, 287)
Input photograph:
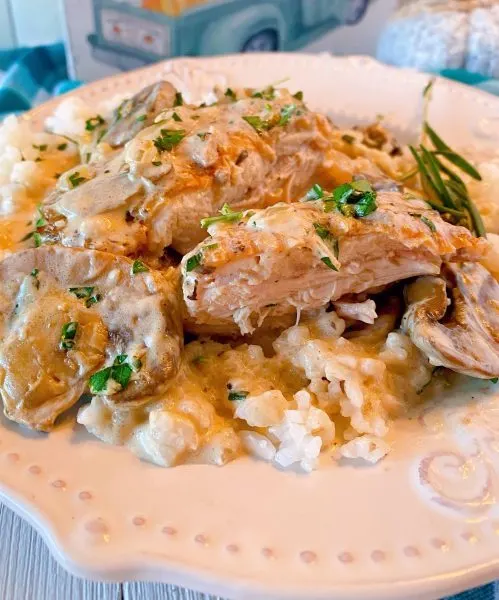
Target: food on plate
point(239, 277)
point(458, 329)
point(254, 150)
point(74, 321)
point(257, 266)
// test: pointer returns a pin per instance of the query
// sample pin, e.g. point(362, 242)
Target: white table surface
point(28, 572)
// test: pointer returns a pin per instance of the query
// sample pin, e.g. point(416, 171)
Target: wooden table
point(28, 572)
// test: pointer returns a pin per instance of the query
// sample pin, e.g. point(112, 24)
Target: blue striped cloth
point(29, 76)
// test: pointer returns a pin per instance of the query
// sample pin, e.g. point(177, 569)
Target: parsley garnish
point(193, 262)
point(82, 292)
point(75, 179)
point(168, 139)
point(93, 300)
point(234, 396)
point(120, 372)
point(428, 223)
point(62, 146)
point(141, 118)
point(93, 123)
point(286, 114)
point(356, 199)
point(229, 93)
point(179, 99)
point(37, 238)
point(34, 275)
point(41, 147)
point(176, 117)
point(257, 123)
point(494, 379)
point(156, 163)
point(298, 96)
point(315, 192)
point(227, 215)
point(68, 334)
point(349, 139)
point(328, 262)
point(267, 94)
point(139, 267)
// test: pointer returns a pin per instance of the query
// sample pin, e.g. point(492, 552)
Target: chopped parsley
point(93, 300)
point(176, 117)
point(349, 139)
point(76, 179)
point(82, 292)
point(298, 95)
point(41, 147)
point(356, 199)
point(179, 99)
point(267, 94)
point(62, 146)
point(139, 267)
point(315, 192)
point(168, 139)
point(235, 396)
point(120, 372)
point(94, 122)
point(40, 222)
point(37, 238)
point(68, 334)
point(34, 275)
point(328, 262)
point(286, 114)
point(141, 118)
point(227, 215)
point(257, 123)
point(193, 262)
point(428, 223)
point(494, 379)
point(229, 93)
point(156, 163)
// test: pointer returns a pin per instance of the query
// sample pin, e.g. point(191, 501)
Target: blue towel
point(32, 75)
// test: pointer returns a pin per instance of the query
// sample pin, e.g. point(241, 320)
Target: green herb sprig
point(227, 215)
point(168, 139)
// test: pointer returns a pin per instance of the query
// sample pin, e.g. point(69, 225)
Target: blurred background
point(459, 38)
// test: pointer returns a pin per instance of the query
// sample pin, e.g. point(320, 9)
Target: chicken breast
point(287, 258)
point(76, 320)
point(255, 151)
point(460, 332)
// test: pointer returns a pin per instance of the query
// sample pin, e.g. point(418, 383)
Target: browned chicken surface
point(287, 258)
point(250, 151)
point(455, 320)
point(73, 321)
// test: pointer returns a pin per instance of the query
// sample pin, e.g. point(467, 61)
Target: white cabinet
point(30, 22)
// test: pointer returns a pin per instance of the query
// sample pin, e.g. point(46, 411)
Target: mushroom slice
point(73, 320)
point(135, 113)
point(461, 333)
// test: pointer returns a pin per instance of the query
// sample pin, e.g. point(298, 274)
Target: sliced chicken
point(460, 332)
point(286, 258)
point(77, 320)
point(250, 152)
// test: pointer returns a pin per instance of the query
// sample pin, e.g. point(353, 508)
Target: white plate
point(421, 524)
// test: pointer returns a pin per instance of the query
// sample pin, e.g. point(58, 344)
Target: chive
point(75, 179)
point(68, 334)
point(168, 139)
point(315, 192)
point(437, 178)
point(139, 267)
point(227, 215)
point(428, 223)
point(298, 96)
point(428, 87)
point(349, 139)
point(229, 93)
point(176, 117)
point(193, 262)
point(141, 118)
point(328, 262)
point(179, 99)
point(237, 396)
point(93, 123)
point(101, 135)
point(62, 146)
point(37, 238)
point(27, 236)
